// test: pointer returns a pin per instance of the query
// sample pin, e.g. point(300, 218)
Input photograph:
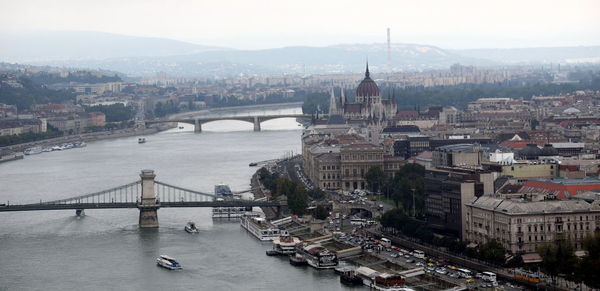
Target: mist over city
point(301, 145)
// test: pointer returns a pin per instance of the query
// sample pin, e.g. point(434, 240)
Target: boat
point(350, 278)
point(168, 263)
point(11, 156)
point(222, 193)
point(181, 127)
point(253, 164)
point(141, 140)
point(298, 260)
point(46, 149)
point(33, 151)
point(190, 227)
point(80, 144)
point(381, 281)
point(260, 227)
point(57, 148)
point(317, 256)
point(283, 246)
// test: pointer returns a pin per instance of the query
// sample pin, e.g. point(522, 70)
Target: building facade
point(522, 227)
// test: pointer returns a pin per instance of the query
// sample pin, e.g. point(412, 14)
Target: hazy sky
point(255, 24)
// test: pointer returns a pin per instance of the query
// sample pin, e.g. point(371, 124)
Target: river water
point(105, 250)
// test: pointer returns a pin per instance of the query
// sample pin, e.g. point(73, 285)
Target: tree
point(492, 251)
point(321, 212)
point(114, 113)
point(591, 263)
point(558, 258)
point(375, 178)
point(297, 200)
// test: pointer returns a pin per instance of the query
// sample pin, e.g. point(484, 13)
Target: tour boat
point(190, 227)
point(168, 263)
point(349, 277)
point(181, 127)
point(381, 281)
point(141, 140)
point(297, 260)
point(33, 151)
point(317, 256)
point(283, 246)
point(260, 227)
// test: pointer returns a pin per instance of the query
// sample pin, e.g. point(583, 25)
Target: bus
point(419, 254)
point(527, 276)
point(489, 277)
point(386, 242)
point(358, 221)
point(465, 273)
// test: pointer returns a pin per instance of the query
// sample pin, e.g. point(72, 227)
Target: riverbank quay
point(502, 273)
point(89, 137)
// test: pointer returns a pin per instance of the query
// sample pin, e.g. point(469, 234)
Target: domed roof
point(530, 152)
point(367, 87)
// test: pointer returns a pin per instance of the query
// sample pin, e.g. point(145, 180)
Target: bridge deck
point(116, 205)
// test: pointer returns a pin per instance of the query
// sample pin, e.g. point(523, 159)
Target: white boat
point(190, 227)
point(80, 144)
point(141, 140)
point(260, 227)
point(47, 149)
point(317, 256)
point(382, 281)
point(33, 151)
point(284, 245)
point(57, 148)
point(168, 263)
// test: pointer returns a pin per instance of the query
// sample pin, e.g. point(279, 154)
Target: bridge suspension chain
point(169, 193)
point(128, 193)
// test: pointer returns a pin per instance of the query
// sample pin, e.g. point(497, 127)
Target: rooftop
point(515, 206)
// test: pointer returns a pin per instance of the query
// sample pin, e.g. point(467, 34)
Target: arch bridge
point(145, 194)
point(254, 119)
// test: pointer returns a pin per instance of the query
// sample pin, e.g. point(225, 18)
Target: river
point(105, 250)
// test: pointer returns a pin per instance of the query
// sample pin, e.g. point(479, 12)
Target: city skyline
point(261, 25)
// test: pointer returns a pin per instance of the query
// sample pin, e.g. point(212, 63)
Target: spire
point(367, 72)
point(332, 104)
point(343, 97)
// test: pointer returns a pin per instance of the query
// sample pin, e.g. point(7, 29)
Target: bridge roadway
point(254, 119)
point(117, 205)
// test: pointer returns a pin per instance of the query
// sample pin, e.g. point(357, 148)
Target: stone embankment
point(87, 137)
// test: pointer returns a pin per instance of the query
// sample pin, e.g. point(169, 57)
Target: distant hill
point(141, 56)
point(300, 59)
point(85, 45)
point(576, 54)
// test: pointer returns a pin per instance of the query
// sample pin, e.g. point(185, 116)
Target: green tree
point(492, 251)
point(590, 264)
point(375, 178)
point(114, 113)
point(321, 212)
point(558, 258)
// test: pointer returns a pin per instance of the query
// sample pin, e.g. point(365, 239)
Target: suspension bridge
point(146, 194)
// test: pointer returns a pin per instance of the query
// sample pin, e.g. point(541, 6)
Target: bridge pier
point(197, 126)
point(147, 204)
point(256, 123)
